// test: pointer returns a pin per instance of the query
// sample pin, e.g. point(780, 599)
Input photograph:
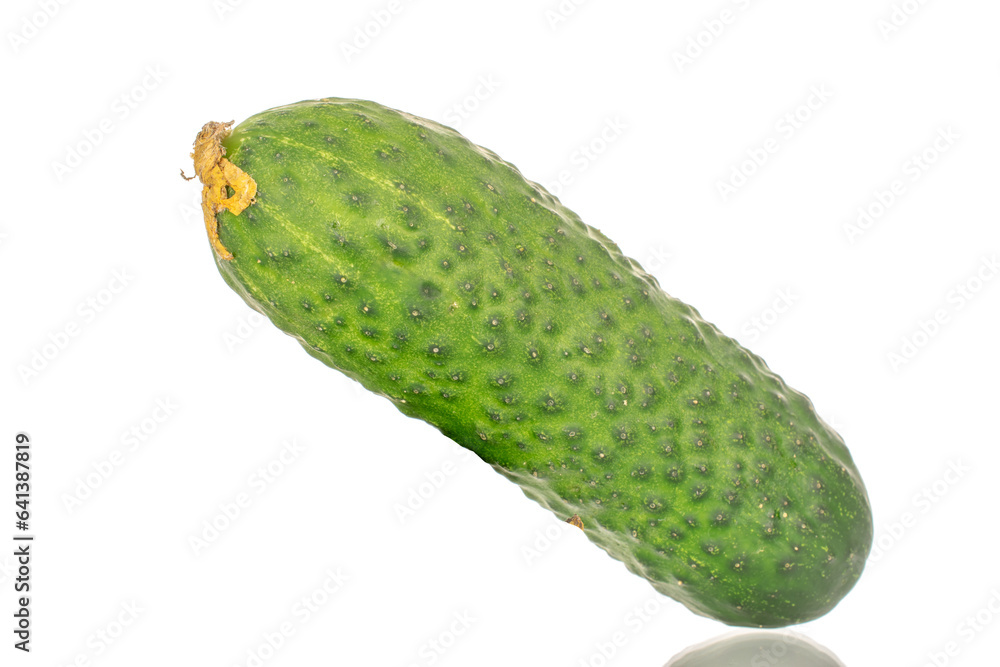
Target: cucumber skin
point(429, 270)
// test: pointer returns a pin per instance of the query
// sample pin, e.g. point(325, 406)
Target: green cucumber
point(429, 270)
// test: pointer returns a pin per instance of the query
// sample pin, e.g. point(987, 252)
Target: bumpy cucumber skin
point(432, 272)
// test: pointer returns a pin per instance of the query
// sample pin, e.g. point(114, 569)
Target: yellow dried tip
point(216, 173)
point(575, 520)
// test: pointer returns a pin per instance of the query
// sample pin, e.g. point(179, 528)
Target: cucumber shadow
point(757, 649)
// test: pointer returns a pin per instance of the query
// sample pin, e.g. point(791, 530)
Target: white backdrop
point(818, 179)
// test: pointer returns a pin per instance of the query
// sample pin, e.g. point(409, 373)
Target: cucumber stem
point(216, 174)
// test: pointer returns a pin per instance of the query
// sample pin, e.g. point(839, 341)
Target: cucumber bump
point(431, 271)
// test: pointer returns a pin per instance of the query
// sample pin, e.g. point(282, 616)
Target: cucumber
point(432, 272)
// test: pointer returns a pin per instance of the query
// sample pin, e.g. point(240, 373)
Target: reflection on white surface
point(757, 649)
